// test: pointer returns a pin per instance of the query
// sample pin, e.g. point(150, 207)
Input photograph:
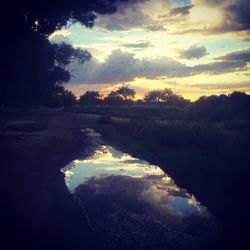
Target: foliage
point(126, 93)
point(153, 96)
point(224, 107)
point(165, 96)
point(68, 98)
point(234, 106)
point(90, 97)
point(64, 53)
point(34, 67)
point(113, 98)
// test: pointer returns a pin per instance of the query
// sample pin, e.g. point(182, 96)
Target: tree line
point(234, 103)
point(126, 95)
point(222, 107)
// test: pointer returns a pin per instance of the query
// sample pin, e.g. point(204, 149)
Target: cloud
point(60, 38)
point(243, 55)
point(133, 19)
point(185, 10)
point(232, 16)
point(220, 86)
point(138, 45)
point(156, 15)
point(154, 27)
point(128, 16)
point(213, 3)
point(122, 66)
point(193, 52)
point(217, 68)
point(235, 15)
point(131, 15)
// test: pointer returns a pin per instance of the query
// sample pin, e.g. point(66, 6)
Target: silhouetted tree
point(153, 96)
point(126, 93)
point(68, 98)
point(64, 53)
point(165, 96)
point(113, 98)
point(239, 97)
point(32, 66)
point(223, 107)
point(90, 97)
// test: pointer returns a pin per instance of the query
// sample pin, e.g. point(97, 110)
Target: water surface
point(133, 203)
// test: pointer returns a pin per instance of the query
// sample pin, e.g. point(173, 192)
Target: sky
point(194, 47)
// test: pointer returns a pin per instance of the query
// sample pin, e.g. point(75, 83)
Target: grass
point(146, 112)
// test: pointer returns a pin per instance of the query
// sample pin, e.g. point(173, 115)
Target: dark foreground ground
point(208, 158)
point(38, 212)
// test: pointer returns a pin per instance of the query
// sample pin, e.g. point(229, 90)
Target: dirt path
point(37, 210)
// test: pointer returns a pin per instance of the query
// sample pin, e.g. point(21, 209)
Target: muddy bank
point(37, 210)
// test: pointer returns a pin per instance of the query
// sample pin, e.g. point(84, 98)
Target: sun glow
point(184, 37)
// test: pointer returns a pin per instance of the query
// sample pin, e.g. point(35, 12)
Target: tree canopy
point(126, 93)
point(90, 97)
point(33, 68)
point(222, 107)
point(165, 96)
point(113, 98)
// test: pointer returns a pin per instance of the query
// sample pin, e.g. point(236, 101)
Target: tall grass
point(148, 112)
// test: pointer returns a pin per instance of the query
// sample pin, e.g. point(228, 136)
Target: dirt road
point(37, 210)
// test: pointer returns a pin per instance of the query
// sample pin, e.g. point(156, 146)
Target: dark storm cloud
point(236, 16)
point(138, 45)
point(120, 21)
point(129, 15)
point(185, 10)
point(124, 67)
point(243, 55)
point(193, 52)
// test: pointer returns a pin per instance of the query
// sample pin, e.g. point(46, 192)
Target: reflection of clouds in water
point(103, 161)
point(90, 132)
point(170, 199)
point(129, 190)
point(182, 207)
point(115, 153)
point(111, 172)
point(108, 155)
point(127, 198)
point(68, 173)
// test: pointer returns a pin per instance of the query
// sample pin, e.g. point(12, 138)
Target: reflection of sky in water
point(110, 171)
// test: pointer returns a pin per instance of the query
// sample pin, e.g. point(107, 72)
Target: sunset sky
point(196, 48)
